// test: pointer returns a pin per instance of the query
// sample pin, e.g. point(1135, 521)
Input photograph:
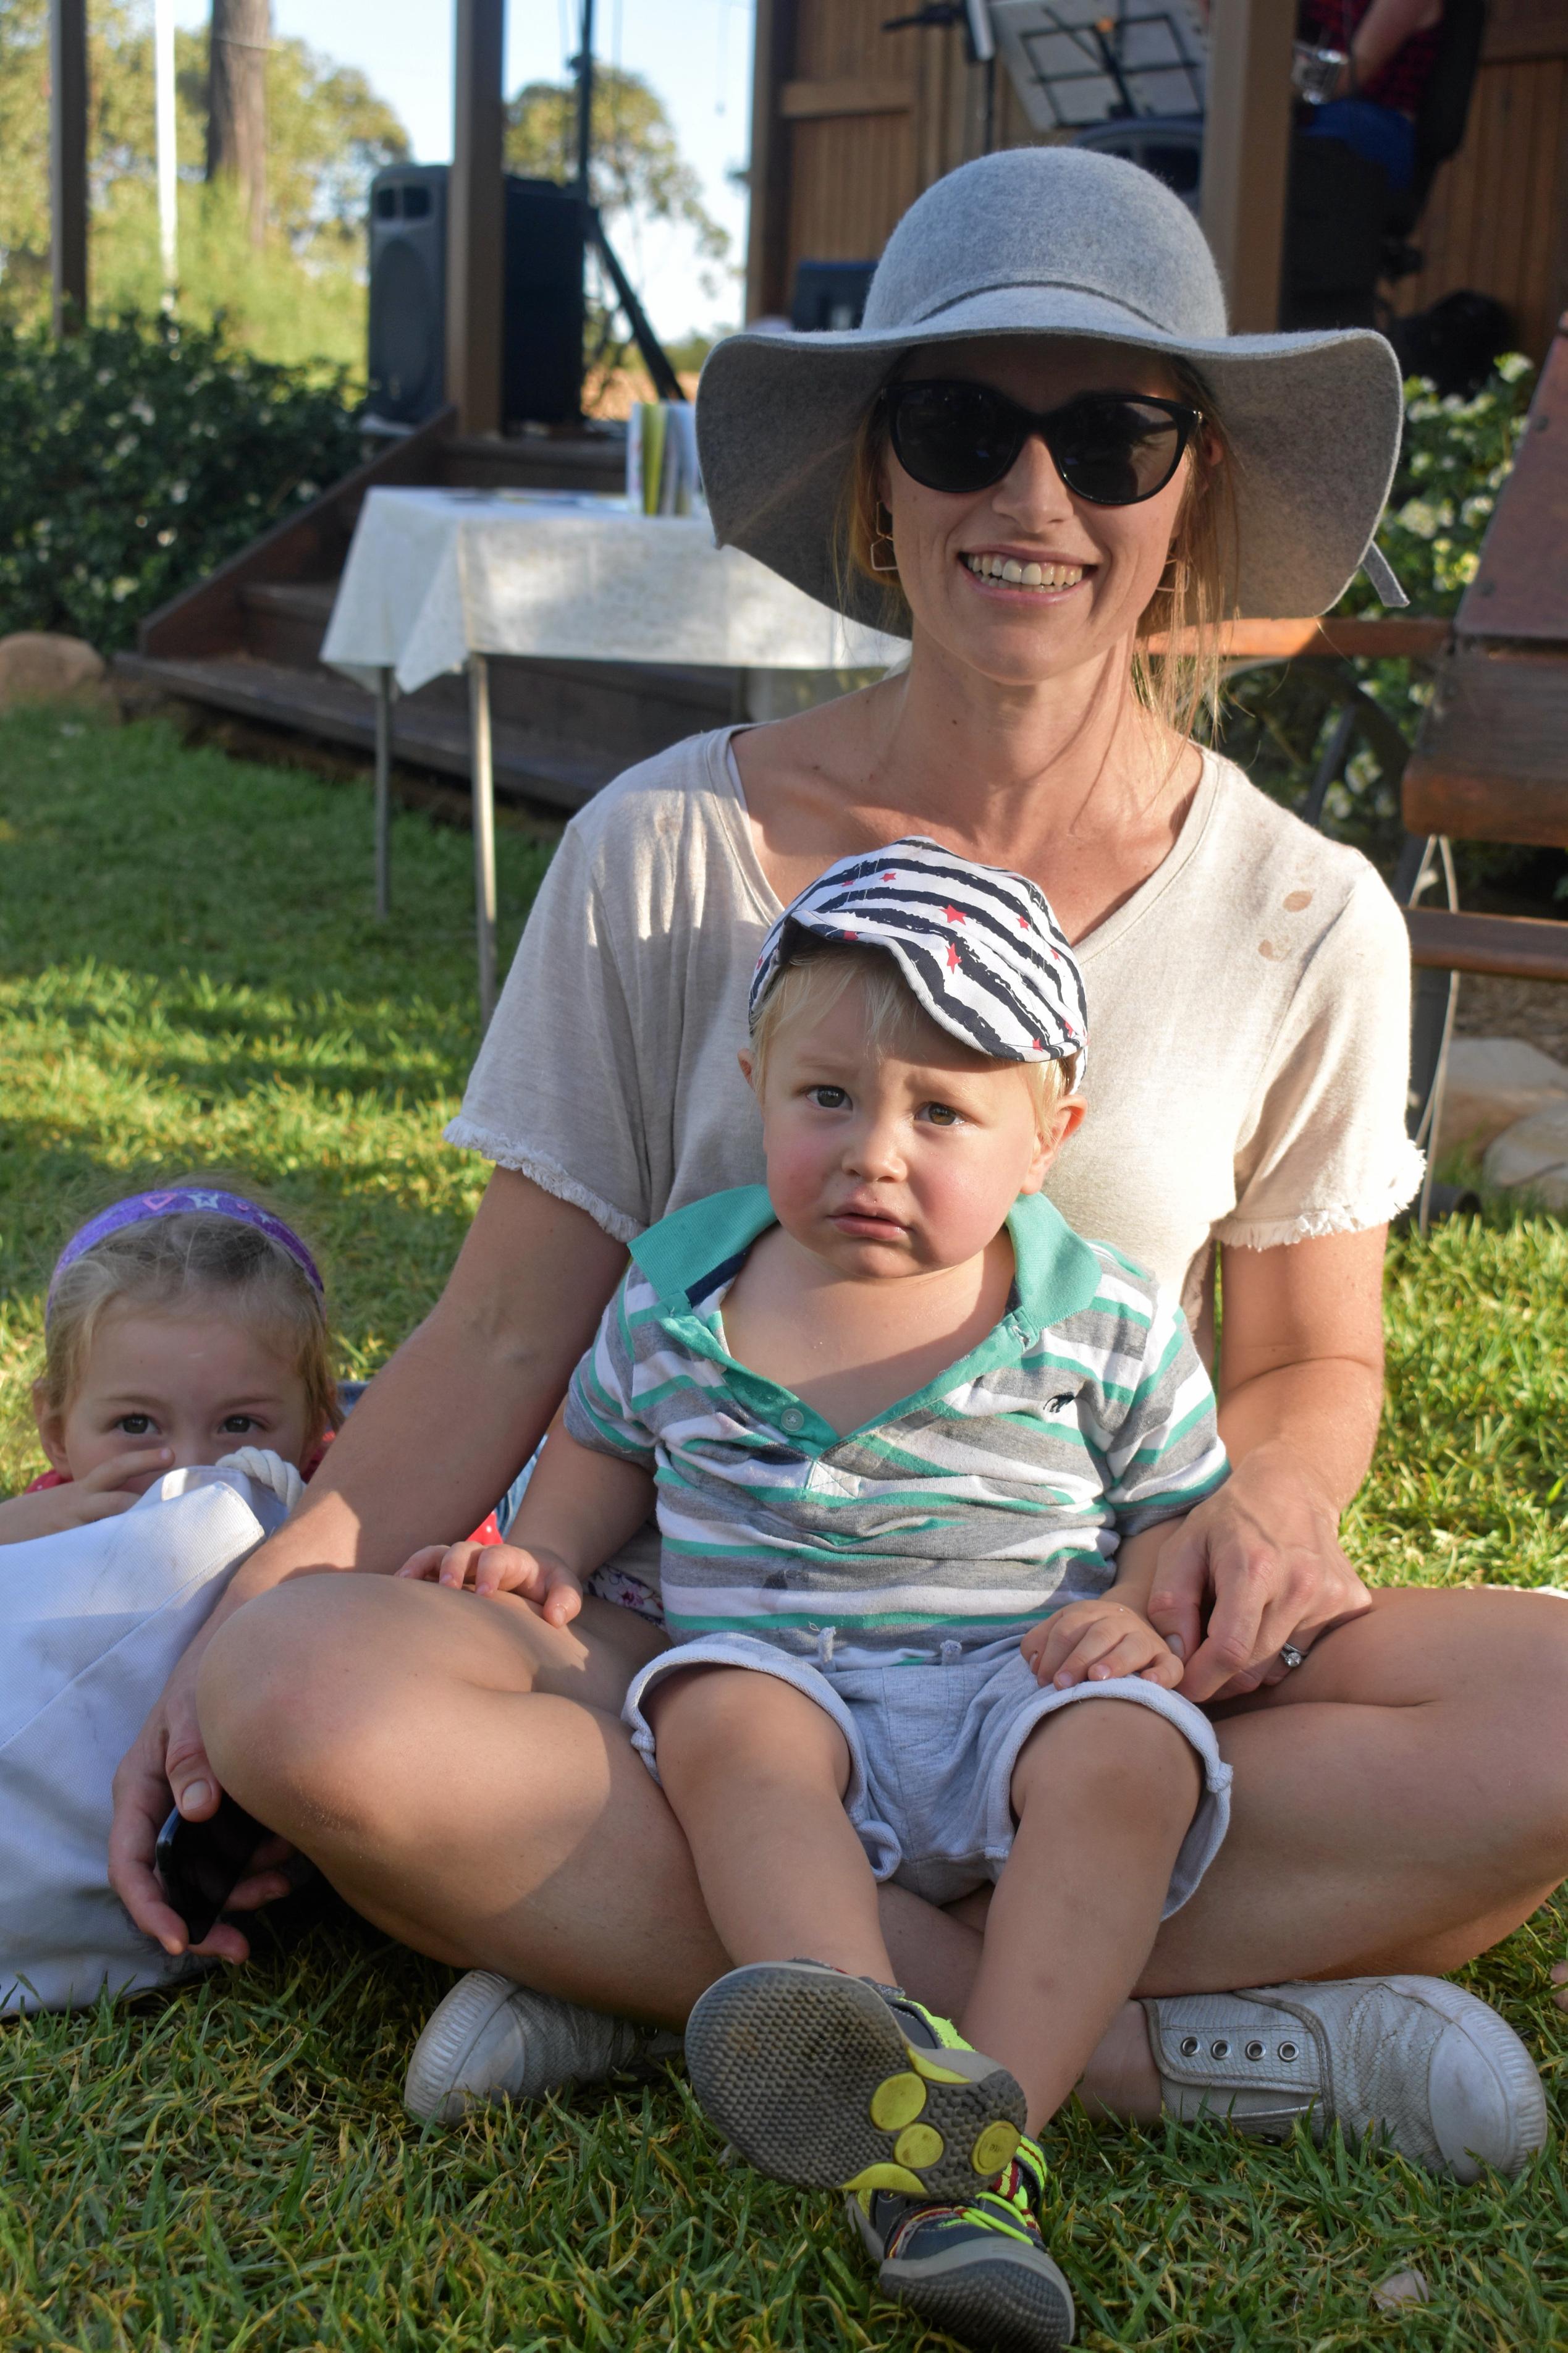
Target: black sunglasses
point(1113, 449)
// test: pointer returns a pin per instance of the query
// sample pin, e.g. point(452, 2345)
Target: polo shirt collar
point(1056, 1272)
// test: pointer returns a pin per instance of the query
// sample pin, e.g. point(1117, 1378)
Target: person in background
point(1390, 48)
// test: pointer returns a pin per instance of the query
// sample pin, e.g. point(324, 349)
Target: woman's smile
point(1012, 569)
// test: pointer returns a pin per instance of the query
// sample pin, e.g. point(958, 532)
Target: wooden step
point(428, 730)
point(561, 460)
point(624, 710)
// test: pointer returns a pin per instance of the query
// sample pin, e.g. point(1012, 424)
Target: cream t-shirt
point(1249, 1024)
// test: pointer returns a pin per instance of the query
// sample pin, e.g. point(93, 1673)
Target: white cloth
point(434, 576)
point(91, 1621)
point(1248, 1026)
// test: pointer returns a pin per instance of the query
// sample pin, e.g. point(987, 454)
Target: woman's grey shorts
point(932, 1748)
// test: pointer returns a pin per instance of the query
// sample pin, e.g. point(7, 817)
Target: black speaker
point(829, 296)
point(542, 321)
point(542, 346)
point(408, 292)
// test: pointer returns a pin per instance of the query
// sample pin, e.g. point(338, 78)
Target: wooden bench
point(1490, 763)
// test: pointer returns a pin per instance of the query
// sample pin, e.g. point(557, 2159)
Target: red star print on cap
point(1013, 992)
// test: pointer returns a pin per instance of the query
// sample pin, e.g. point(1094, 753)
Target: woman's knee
point(298, 1696)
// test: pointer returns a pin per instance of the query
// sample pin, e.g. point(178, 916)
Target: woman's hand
point(1089, 1642)
point(540, 1577)
point(1260, 1561)
point(166, 1764)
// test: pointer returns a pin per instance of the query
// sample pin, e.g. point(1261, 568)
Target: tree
point(240, 38)
point(302, 294)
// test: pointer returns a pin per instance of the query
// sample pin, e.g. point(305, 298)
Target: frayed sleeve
point(1325, 1149)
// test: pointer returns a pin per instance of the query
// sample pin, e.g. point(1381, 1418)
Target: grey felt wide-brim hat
point(1058, 241)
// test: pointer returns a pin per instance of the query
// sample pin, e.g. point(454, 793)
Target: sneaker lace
point(1008, 2206)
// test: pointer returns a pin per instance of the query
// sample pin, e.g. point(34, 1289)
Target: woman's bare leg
point(458, 1770)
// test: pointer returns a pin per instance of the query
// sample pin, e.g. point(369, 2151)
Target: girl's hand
point(1090, 1641)
point(539, 1577)
point(100, 1496)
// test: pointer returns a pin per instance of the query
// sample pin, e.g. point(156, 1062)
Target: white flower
point(1421, 521)
point(122, 588)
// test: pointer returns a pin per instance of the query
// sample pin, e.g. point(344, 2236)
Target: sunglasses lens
point(1115, 452)
point(955, 437)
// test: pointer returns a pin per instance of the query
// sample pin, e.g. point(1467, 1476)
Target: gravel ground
point(1535, 1010)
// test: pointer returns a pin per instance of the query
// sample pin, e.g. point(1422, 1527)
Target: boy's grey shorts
point(931, 1752)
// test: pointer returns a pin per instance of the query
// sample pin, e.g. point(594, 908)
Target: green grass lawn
point(191, 976)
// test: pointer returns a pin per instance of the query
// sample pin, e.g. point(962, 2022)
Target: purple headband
point(138, 1208)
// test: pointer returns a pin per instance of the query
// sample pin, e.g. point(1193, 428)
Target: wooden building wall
point(850, 123)
point(1497, 219)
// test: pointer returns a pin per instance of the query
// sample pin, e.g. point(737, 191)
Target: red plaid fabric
point(1331, 24)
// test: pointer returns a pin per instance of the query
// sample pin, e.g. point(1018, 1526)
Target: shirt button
point(792, 1418)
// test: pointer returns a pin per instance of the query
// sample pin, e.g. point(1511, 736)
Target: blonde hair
point(816, 976)
point(194, 1257)
point(1196, 595)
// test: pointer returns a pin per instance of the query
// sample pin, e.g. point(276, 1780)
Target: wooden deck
point(247, 641)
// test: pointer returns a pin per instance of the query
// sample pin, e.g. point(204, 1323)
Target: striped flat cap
point(978, 946)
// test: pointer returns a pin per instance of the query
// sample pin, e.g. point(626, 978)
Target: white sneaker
point(491, 2040)
point(1436, 2068)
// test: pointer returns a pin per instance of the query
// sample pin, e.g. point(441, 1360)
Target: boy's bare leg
point(1103, 1800)
point(756, 1775)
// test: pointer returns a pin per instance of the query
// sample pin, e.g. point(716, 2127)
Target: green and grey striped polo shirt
point(963, 1513)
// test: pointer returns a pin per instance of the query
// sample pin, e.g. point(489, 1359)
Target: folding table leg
point(384, 792)
point(484, 833)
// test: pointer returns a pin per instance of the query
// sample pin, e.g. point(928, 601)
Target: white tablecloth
point(434, 576)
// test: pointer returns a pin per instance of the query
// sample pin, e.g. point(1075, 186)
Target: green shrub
point(1454, 456)
point(140, 453)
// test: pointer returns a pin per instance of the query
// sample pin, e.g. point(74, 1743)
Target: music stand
point(1074, 62)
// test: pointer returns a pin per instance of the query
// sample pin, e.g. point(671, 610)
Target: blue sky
point(696, 53)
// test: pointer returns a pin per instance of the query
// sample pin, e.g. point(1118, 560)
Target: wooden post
point(766, 174)
point(476, 224)
point(68, 163)
point(1247, 153)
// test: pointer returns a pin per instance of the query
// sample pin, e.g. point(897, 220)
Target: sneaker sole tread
point(794, 2065)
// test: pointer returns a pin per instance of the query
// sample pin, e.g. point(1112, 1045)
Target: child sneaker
point(826, 2081)
point(977, 2273)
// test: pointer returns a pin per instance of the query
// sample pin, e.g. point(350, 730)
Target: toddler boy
point(914, 1447)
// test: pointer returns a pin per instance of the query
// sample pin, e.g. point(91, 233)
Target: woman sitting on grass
point(1040, 450)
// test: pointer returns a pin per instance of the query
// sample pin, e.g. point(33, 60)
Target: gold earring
point(882, 556)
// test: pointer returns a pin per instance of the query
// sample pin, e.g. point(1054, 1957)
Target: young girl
point(182, 1325)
